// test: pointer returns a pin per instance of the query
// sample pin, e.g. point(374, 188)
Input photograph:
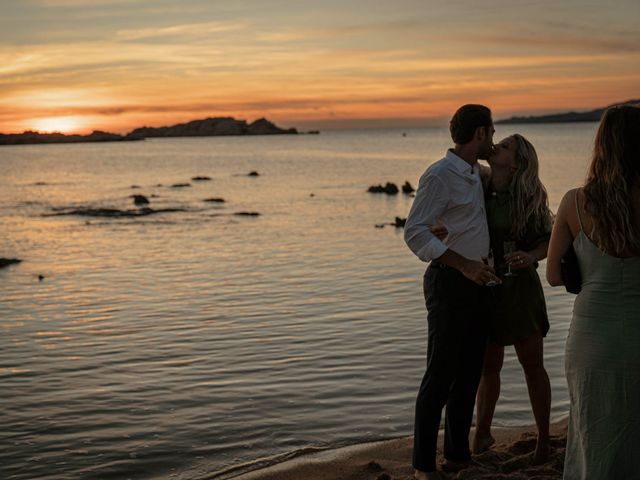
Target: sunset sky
point(78, 65)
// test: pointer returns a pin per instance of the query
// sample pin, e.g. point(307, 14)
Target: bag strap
point(578, 209)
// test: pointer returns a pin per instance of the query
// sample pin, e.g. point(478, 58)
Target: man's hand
point(479, 273)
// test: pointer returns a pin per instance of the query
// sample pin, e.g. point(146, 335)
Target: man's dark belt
point(440, 266)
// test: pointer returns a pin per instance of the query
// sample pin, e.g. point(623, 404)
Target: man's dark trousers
point(457, 334)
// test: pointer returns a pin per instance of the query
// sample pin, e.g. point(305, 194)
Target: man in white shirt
point(450, 195)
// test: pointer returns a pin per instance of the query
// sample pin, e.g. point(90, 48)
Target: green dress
point(603, 368)
point(518, 305)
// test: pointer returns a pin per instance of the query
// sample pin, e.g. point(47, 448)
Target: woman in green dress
point(519, 227)
point(602, 360)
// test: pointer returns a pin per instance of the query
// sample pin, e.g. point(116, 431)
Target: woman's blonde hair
point(614, 170)
point(530, 203)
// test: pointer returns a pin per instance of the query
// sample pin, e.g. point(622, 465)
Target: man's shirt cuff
point(432, 250)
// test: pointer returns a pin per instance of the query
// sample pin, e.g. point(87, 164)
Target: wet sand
point(509, 459)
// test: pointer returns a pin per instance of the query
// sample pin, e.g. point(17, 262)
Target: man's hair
point(466, 120)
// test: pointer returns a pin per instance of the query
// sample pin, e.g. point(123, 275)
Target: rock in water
point(111, 212)
point(389, 189)
point(407, 188)
point(140, 200)
point(4, 262)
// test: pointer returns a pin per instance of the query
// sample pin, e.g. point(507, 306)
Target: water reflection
point(188, 342)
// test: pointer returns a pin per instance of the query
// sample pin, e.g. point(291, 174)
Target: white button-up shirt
point(450, 194)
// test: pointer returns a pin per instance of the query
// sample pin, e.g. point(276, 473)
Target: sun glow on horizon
point(68, 124)
point(74, 66)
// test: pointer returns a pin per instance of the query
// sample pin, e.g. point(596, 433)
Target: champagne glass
point(508, 248)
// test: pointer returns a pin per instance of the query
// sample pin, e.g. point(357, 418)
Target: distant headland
point(207, 127)
point(589, 116)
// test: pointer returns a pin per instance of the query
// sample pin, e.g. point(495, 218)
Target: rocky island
point(30, 137)
point(588, 116)
point(207, 127)
point(213, 127)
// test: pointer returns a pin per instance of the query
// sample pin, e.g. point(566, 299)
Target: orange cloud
point(155, 74)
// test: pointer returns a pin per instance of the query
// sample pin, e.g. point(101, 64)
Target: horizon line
point(304, 125)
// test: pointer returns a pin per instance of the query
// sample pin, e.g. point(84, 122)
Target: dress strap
point(578, 209)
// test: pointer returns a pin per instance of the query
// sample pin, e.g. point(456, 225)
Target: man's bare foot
point(543, 451)
point(450, 466)
point(418, 475)
point(481, 443)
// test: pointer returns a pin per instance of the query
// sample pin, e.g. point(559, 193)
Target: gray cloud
point(181, 31)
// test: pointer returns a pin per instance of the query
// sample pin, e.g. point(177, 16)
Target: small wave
point(247, 214)
point(110, 212)
point(261, 463)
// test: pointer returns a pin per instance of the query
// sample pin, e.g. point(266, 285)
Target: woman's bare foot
point(481, 443)
point(543, 451)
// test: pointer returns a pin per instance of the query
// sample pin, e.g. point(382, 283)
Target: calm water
point(186, 344)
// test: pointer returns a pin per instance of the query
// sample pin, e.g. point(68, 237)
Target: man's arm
point(428, 206)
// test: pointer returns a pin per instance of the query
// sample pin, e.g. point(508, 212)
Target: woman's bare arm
point(561, 238)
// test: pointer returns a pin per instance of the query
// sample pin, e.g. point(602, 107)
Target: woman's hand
point(439, 231)
point(519, 259)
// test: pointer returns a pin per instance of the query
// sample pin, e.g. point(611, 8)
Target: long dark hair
point(614, 171)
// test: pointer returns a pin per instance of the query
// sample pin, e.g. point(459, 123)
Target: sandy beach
point(509, 459)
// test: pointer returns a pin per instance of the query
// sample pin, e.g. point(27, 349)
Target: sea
point(203, 339)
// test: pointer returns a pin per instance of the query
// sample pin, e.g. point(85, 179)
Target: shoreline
point(510, 458)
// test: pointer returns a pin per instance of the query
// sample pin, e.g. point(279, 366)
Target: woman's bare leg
point(488, 393)
point(530, 356)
